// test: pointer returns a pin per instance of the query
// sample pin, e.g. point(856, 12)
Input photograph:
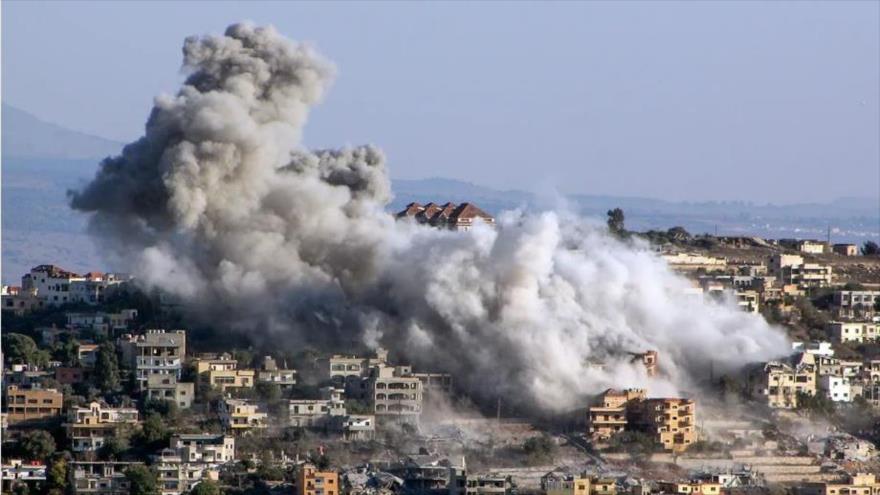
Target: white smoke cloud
point(220, 204)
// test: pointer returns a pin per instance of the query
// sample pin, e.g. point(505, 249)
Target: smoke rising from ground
point(219, 204)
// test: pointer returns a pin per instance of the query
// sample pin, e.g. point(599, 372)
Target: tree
point(615, 221)
point(154, 429)
point(142, 480)
point(269, 392)
point(107, 368)
point(114, 447)
point(56, 476)
point(37, 445)
point(870, 248)
point(68, 352)
point(21, 348)
point(206, 487)
point(677, 234)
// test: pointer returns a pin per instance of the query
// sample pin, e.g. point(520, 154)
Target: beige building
point(88, 428)
point(100, 478)
point(697, 487)
point(846, 249)
point(239, 415)
point(686, 262)
point(32, 404)
point(204, 447)
point(226, 379)
point(395, 394)
point(791, 269)
point(857, 484)
point(856, 331)
point(779, 382)
point(609, 415)
point(672, 421)
point(177, 476)
point(166, 387)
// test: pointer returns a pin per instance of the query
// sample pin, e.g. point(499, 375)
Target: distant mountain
point(26, 136)
point(42, 161)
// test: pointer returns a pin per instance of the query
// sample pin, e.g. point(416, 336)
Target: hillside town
point(107, 391)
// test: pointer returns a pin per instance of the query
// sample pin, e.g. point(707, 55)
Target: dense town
point(106, 391)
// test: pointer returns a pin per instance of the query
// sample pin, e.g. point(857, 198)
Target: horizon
point(726, 103)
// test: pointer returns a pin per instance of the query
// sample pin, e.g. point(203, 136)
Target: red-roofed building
point(449, 215)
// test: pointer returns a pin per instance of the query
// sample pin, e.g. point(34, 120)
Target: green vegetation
point(142, 480)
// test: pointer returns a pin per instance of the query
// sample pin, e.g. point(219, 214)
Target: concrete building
point(311, 481)
point(693, 487)
point(177, 476)
point(671, 421)
point(836, 388)
point(855, 303)
point(688, 262)
point(102, 323)
point(230, 379)
point(55, 286)
point(845, 249)
point(779, 382)
point(608, 416)
point(430, 475)
point(89, 427)
point(747, 300)
point(806, 246)
point(156, 352)
point(395, 394)
point(359, 427)
point(87, 354)
point(212, 362)
point(100, 477)
point(17, 473)
point(857, 331)
point(857, 484)
point(166, 387)
point(271, 373)
point(204, 447)
point(32, 404)
point(490, 484)
point(815, 348)
point(240, 415)
point(19, 301)
point(561, 482)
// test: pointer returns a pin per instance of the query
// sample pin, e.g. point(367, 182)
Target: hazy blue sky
point(769, 102)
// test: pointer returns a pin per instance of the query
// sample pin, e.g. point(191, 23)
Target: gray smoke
point(219, 204)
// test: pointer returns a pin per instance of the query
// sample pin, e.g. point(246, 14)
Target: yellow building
point(560, 482)
point(858, 484)
point(310, 481)
point(32, 404)
point(609, 415)
point(692, 487)
point(780, 382)
point(240, 415)
point(672, 422)
point(224, 379)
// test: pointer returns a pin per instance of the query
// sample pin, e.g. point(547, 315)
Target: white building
point(177, 476)
point(100, 477)
point(16, 472)
point(204, 447)
point(817, 348)
point(166, 387)
point(55, 286)
point(317, 413)
point(836, 388)
point(240, 415)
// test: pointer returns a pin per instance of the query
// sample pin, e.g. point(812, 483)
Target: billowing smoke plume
point(219, 204)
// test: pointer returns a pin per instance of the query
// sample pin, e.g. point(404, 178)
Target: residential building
point(608, 417)
point(32, 404)
point(435, 383)
point(315, 413)
point(490, 484)
point(100, 477)
point(240, 415)
point(166, 387)
point(687, 262)
point(156, 352)
point(55, 286)
point(89, 427)
point(815, 348)
point(102, 323)
point(311, 481)
point(455, 217)
point(855, 331)
point(846, 249)
point(792, 269)
point(205, 447)
point(836, 388)
point(855, 303)
point(339, 368)
point(358, 427)
point(395, 394)
point(20, 301)
point(747, 300)
point(271, 373)
point(857, 484)
point(87, 354)
point(779, 382)
point(561, 482)
point(177, 476)
point(430, 475)
point(693, 487)
point(17, 473)
point(671, 421)
point(212, 362)
point(227, 379)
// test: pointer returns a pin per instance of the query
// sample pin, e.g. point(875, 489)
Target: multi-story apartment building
point(227, 379)
point(55, 286)
point(239, 415)
point(395, 394)
point(791, 269)
point(339, 368)
point(672, 422)
point(205, 447)
point(166, 387)
point(836, 388)
point(89, 427)
point(316, 413)
point(156, 352)
point(857, 484)
point(100, 478)
point(177, 476)
point(854, 331)
point(311, 481)
point(608, 416)
point(562, 482)
point(32, 404)
point(779, 382)
point(271, 373)
point(17, 473)
point(102, 323)
point(435, 383)
point(855, 303)
point(212, 362)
